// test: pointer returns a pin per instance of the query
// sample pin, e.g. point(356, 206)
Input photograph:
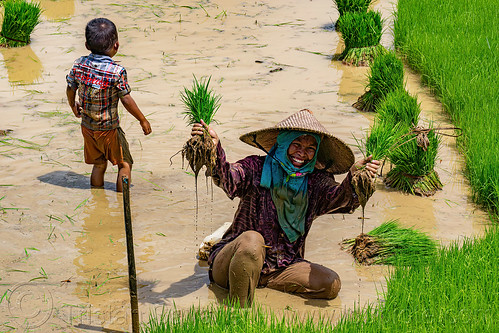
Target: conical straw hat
point(333, 155)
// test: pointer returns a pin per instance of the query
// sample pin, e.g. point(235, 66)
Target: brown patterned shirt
point(257, 211)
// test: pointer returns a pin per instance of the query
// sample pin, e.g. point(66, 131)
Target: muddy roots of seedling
point(365, 249)
point(426, 185)
point(199, 151)
point(362, 56)
point(364, 186)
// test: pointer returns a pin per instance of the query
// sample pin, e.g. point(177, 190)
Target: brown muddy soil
point(62, 246)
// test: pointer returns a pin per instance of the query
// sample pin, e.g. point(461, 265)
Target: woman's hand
point(367, 163)
point(198, 129)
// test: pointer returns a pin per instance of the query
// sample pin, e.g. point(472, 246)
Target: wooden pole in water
point(132, 277)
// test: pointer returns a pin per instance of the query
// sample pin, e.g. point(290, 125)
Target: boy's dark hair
point(100, 34)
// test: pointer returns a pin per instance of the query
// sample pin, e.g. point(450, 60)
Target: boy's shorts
point(103, 146)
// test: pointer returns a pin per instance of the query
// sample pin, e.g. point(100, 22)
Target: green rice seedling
point(19, 19)
point(390, 244)
point(361, 33)
point(350, 6)
point(414, 162)
point(386, 74)
point(201, 103)
point(231, 318)
point(399, 106)
point(382, 137)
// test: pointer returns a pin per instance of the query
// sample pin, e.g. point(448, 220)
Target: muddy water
point(70, 239)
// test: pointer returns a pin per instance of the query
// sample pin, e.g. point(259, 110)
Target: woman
point(280, 196)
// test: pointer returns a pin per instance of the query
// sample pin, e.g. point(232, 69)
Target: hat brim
point(333, 154)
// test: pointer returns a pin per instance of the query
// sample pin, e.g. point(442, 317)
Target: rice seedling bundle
point(361, 33)
point(19, 19)
point(390, 244)
point(399, 106)
point(386, 74)
point(351, 6)
point(383, 136)
point(201, 103)
point(414, 162)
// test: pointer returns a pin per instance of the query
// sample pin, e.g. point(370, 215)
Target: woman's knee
point(332, 285)
point(251, 246)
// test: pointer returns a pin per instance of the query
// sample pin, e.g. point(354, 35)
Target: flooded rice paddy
point(62, 245)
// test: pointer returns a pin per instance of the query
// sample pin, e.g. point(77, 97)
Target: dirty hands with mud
point(367, 164)
point(199, 129)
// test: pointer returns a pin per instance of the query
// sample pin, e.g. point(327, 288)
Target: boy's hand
point(77, 109)
point(146, 127)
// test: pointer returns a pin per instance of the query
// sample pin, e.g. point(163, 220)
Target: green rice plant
point(19, 19)
point(399, 106)
point(382, 137)
point(349, 6)
point(361, 33)
point(414, 162)
point(222, 318)
point(391, 244)
point(454, 291)
point(200, 102)
point(386, 74)
point(468, 84)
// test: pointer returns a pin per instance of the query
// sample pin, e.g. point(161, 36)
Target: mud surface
point(62, 246)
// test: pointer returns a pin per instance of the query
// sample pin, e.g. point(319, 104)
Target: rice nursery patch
point(391, 244)
point(361, 33)
point(414, 162)
point(386, 74)
point(399, 107)
point(468, 84)
point(456, 290)
point(231, 318)
point(19, 20)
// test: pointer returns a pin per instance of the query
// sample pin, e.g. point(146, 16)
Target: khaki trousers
point(238, 265)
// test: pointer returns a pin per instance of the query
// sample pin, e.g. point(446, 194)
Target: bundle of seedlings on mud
point(20, 17)
point(351, 6)
point(377, 143)
point(361, 33)
point(386, 74)
point(391, 244)
point(201, 103)
point(414, 163)
point(399, 106)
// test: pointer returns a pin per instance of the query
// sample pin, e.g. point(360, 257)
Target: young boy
point(100, 83)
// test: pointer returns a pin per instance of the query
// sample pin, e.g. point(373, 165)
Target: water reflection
point(101, 265)
point(57, 9)
point(23, 65)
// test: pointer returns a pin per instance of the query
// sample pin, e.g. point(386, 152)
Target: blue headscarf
point(288, 184)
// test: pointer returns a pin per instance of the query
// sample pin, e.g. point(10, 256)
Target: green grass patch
point(19, 19)
point(455, 47)
point(455, 291)
point(222, 318)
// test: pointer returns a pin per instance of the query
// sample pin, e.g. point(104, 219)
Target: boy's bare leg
point(97, 177)
point(124, 169)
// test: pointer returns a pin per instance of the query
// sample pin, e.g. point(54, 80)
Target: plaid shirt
point(100, 83)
